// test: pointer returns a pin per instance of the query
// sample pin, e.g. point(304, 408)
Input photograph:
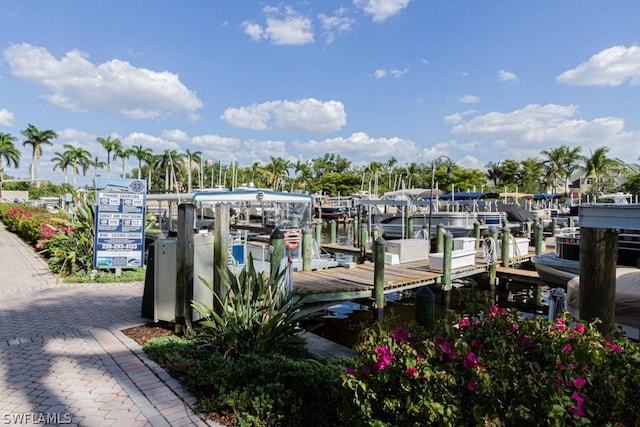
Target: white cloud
point(360, 145)
point(525, 132)
point(380, 73)
point(469, 99)
point(6, 118)
point(507, 76)
point(253, 30)
point(306, 115)
point(458, 117)
point(610, 67)
point(395, 72)
point(76, 84)
point(284, 26)
point(176, 135)
point(337, 23)
point(380, 10)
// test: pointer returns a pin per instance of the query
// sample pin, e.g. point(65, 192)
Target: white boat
point(627, 300)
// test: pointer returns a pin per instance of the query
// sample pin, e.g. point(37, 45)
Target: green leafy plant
point(257, 314)
point(256, 390)
point(69, 248)
point(496, 369)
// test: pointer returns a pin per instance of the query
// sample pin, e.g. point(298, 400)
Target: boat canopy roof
point(266, 196)
point(512, 195)
point(410, 194)
point(468, 195)
point(546, 196)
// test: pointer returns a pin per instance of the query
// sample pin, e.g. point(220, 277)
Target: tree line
point(330, 174)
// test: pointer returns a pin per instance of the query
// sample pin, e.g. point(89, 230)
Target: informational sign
point(120, 221)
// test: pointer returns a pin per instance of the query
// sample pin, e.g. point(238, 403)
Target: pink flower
point(579, 382)
point(471, 385)
point(476, 344)
point(576, 410)
point(615, 347)
point(384, 357)
point(38, 246)
point(419, 358)
point(401, 335)
point(470, 361)
point(585, 367)
point(496, 311)
point(350, 371)
point(464, 323)
point(412, 372)
point(579, 328)
point(566, 348)
point(515, 326)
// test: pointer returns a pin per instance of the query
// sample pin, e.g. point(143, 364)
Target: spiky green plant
point(257, 316)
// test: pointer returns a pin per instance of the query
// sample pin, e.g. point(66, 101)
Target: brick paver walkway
point(63, 359)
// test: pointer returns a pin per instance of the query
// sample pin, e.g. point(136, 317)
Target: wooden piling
point(539, 237)
point(307, 249)
point(506, 242)
point(379, 250)
point(598, 248)
point(409, 230)
point(425, 307)
point(333, 228)
point(364, 231)
point(277, 243)
point(318, 230)
point(440, 238)
point(476, 234)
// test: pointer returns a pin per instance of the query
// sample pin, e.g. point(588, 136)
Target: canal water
point(343, 323)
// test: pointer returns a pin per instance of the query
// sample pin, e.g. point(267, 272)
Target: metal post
point(446, 269)
point(493, 267)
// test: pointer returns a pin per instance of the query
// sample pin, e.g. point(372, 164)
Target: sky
point(369, 80)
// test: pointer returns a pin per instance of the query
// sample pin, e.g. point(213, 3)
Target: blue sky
point(477, 81)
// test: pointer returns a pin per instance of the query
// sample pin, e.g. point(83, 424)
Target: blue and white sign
point(120, 221)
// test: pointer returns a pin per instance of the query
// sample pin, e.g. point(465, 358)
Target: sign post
point(119, 223)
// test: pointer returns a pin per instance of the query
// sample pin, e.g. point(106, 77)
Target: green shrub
point(257, 390)
point(496, 369)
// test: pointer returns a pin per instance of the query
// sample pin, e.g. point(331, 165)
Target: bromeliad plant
point(258, 315)
point(494, 370)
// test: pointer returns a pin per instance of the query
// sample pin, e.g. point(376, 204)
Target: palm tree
point(278, 170)
point(599, 165)
point(494, 173)
point(170, 163)
point(191, 157)
point(110, 145)
point(9, 154)
point(97, 164)
point(36, 139)
point(79, 159)
point(142, 154)
point(62, 161)
point(123, 154)
point(571, 159)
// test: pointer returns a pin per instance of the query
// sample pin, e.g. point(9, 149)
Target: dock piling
point(425, 307)
point(446, 269)
point(506, 241)
point(307, 250)
point(379, 250)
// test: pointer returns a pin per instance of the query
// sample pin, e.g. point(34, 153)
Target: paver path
point(63, 359)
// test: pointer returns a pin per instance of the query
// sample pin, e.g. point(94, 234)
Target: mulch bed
point(143, 333)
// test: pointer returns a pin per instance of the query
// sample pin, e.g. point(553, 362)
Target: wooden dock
point(356, 281)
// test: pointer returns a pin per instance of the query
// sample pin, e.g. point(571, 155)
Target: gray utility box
point(165, 276)
point(409, 250)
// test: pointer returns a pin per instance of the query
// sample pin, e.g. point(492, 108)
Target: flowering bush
point(496, 369)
